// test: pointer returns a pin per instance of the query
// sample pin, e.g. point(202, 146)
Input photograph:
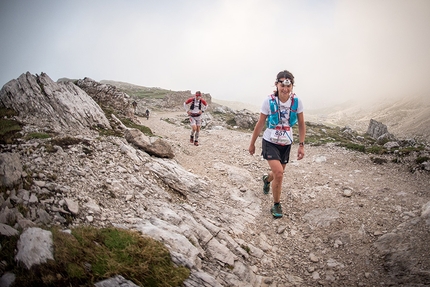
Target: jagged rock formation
point(376, 129)
point(44, 105)
point(107, 96)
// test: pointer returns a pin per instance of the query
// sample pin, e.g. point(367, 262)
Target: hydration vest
point(273, 118)
point(192, 105)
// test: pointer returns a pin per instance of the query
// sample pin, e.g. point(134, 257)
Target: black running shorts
point(274, 151)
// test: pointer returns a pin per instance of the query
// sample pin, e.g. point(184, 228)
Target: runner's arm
point(204, 105)
point(186, 104)
point(257, 130)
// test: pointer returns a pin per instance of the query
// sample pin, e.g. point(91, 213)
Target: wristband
point(301, 144)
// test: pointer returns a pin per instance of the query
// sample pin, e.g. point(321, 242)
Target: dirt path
point(336, 203)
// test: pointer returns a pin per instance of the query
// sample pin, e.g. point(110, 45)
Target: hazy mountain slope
point(237, 105)
point(410, 116)
point(406, 117)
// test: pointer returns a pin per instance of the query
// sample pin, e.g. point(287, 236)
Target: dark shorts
point(274, 151)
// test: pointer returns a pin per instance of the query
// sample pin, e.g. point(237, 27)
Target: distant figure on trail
point(279, 113)
point(147, 114)
point(194, 111)
point(134, 104)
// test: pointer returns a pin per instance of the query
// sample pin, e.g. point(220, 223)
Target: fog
point(338, 51)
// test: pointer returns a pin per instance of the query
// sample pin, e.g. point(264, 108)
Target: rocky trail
point(348, 220)
point(337, 204)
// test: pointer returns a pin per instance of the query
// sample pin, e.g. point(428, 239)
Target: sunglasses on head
point(286, 82)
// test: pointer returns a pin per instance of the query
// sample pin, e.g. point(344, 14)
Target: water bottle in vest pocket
point(273, 118)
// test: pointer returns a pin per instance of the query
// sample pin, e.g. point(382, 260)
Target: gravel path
point(336, 202)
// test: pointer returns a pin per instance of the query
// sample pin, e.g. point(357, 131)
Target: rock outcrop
point(376, 129)
point(107, 96)
point(44, 105)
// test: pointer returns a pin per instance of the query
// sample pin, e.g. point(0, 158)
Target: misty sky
point(337, 49)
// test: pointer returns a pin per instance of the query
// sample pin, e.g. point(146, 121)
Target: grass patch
point(8, 126)
point(422, 159)
point(108, 132)
point(126, 121)
point(130, 124)
point(354, 146)
point(378, 160)
point(152, 94)
point(246, 248)
point(145, 93)
point(408, 150)
point(65, 142)
point(37, 136)
point(89, 255)
point(376, 149)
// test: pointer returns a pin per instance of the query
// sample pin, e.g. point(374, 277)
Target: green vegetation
point(376, 149)
point(8, 127)
point(354, 146)
point(378, 160)
point(37, 136)
point(65, 142)
point(422, 159)
point(246, 248)
point(156, 94)
point(126, 121)
point(89, 255)
point(143, 92)
point(130, 124)
point(322, 134)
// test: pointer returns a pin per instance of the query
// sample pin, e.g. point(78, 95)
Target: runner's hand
point(251, 149)
point(300, 152)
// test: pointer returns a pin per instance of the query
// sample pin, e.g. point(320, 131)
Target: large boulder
point(10, 169)
point(376, 129)
point(52, 107)
point(155, 146)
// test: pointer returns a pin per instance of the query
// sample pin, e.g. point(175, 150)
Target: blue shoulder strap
point(273, 117)
point(293, 110)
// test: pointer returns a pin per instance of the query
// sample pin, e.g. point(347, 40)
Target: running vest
point(274, 116)
point(192, 105)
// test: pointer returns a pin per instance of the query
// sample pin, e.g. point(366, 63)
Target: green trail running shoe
point(276, 211)
point(266, 186)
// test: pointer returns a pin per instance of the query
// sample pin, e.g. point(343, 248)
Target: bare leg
point(196, 137)
point(193, 130)
point(275, 177)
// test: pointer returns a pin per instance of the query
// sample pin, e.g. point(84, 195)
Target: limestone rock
point(10, 169)
point(107, 95)
point(52, 107)
point(35, 246)
point(376, 129)
point(158, 148)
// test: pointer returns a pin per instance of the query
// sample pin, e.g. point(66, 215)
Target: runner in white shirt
point(279, 111)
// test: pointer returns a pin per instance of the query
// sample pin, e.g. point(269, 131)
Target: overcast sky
point(338, 50)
